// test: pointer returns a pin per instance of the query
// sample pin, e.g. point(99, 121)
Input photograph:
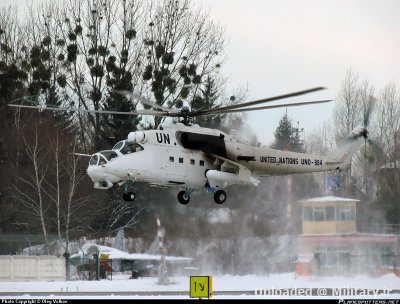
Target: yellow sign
point(104, 256)
point(200, 286)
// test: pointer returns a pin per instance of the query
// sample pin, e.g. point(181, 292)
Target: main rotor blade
point(143, 100)
point(255, 102)
point(82, 154)
point(380, 154)
point(370, 108)
point(136, 112)
point(222, 111)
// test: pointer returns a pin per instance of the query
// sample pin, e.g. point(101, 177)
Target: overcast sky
point(277, 47)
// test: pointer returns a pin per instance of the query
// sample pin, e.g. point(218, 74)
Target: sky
point(278, 47)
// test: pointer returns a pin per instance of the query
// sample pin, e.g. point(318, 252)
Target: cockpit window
point(93, 161)
point(109, 154)
point(102, 160)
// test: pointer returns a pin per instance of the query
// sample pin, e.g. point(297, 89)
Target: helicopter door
point(195, 169)
point(175, 169)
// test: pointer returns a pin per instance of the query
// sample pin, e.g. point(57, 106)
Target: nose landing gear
point(128, 196)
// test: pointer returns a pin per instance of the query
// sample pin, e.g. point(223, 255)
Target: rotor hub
point(364, 133)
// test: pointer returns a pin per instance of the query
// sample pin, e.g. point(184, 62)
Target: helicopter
point(189, 157)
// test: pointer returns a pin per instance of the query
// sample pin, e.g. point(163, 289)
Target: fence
point(32, 268)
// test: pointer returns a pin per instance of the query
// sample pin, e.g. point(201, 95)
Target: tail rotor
point(364, 133)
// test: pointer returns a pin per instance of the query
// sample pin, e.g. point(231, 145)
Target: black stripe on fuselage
point(203, 142)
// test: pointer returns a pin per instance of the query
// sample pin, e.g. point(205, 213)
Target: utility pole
point(298, 145)
point(67, 263)
point(162, 272)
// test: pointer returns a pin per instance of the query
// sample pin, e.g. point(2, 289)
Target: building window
point(192, 161)
point(180, 160)
point(171, 159)
point(318, 214)
point(330, 213)
point(387, 256)
point(202, 163)
point(307, 214)
point(372, 253)
point(332, 257)
point(345, 213)
point(379, 255)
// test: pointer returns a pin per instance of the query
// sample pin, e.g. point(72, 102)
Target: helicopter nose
point(91, 171)
point(99, 174)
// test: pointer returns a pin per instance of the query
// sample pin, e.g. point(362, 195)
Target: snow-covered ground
point(273, 286)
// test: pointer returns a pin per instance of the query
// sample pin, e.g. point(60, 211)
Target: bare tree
point(11, 35)
point(320, 142)
point(387, 135)
point(74, 199)
point(62, 182)
point(347, 111)
point(183, 48)
point(101, 56)
point(322, 139)
point(55, 150)
point(12, 56)
point(48, 79)
point(30, 191)
point(387, 120)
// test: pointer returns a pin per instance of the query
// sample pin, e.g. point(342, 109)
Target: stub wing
point(228, 172)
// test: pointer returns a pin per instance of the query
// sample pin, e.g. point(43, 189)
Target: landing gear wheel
point(183, 198)
point(220, 196)
point(129, 197)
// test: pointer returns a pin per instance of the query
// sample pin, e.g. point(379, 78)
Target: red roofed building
point(330, 243)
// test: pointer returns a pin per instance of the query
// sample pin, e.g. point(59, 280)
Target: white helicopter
point(191, 157)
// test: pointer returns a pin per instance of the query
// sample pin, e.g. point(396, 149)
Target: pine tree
point(287, 137)
point(207, 100)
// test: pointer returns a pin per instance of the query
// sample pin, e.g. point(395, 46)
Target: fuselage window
point(201, 163)
point(180, 160)
point(192, 161)
point(131, 147)
point(171, 159)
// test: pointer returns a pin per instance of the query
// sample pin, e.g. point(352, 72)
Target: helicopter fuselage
point(192, 157)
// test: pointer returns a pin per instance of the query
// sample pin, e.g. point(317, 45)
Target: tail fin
point(347, 147)
point(154, 247)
